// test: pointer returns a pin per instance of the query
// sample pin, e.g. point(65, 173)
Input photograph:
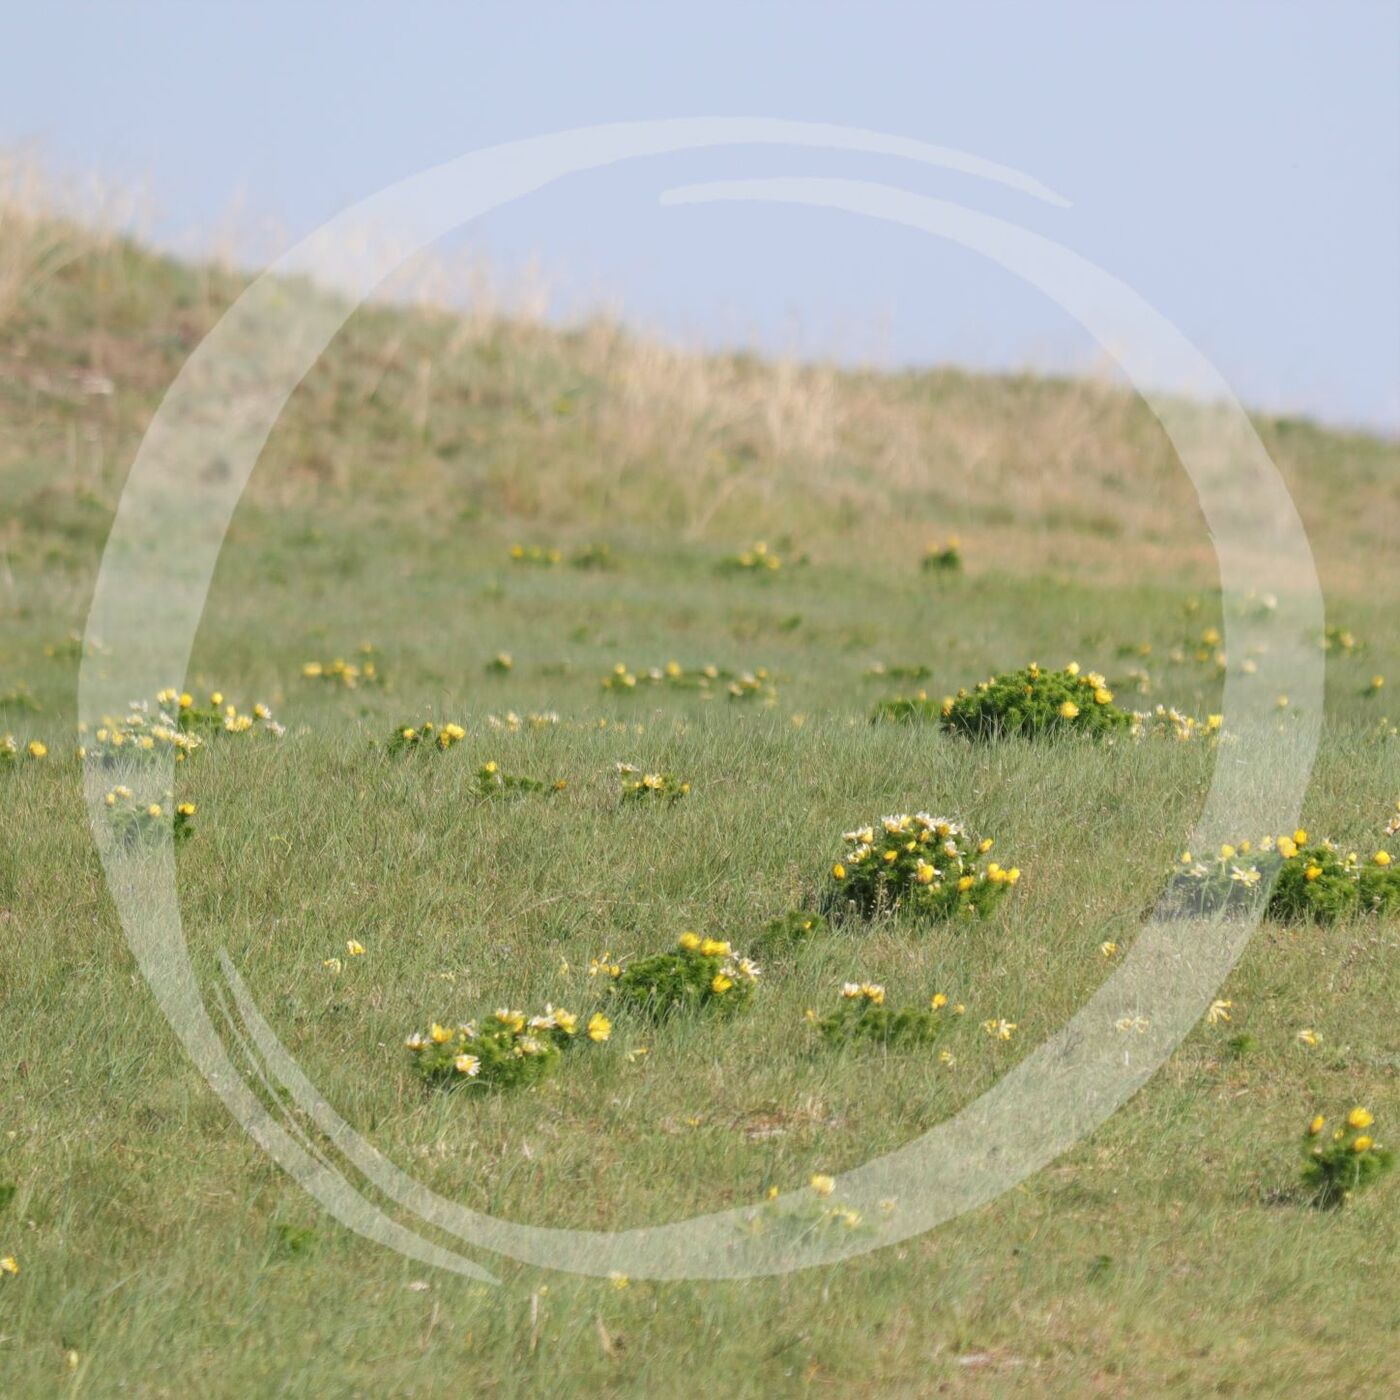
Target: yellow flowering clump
point(1348, 1160)
point(1034, 703)
point(945, 558)
point(425, 737)
point(136, 821)
point(350, 675)
point(758, 559)
point(1302, 879)
point(918, 864)
point(702, 973)
point(491, 781)
point(536, 555)
point(10, 750)
point(862, 1015)
point(639, 786)
point(506, 1049)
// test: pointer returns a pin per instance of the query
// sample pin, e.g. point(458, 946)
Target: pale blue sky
point(1237, 164)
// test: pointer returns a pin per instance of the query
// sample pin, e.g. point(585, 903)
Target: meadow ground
point(160, 1252)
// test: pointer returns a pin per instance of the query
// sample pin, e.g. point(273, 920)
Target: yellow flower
point(938, 1001)
point(1068, 710)
point(923, 872)
point(1361, 1144)
point(1073, 668)
point(1287, 847)
point(1227, 852)
point(984, 845)
point(1308, 1036)
point(187, 809)
point(9, 1264)
point(966, 883)
point(599, 1027)
point(1001, 1029)
point(1360, 1118)
point(354, 947)
point(838, 872)
point(1301, 837)
point(1381, 857)
point(1312, 872)
point(714, 948)
point(440, 1034)
point(619, 1281)
point(823, 1185)
point(1013, 874)
point(1316, 1126)
point(153, 810)
point(891, 856)
point(719, 984)
point(38, 750)
point(332, 964)
point(1103, 695)
point(1109, 949)
point(772, 1193)
point(689, 941)
point(1219, 1011)
point(468, 1065)
point(186, 700)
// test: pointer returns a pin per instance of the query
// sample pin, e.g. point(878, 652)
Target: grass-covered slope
point(159, 1251)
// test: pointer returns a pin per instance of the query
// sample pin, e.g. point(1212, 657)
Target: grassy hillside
point(159, 1251)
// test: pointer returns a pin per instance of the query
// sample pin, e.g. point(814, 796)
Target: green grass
point(1169, 1253)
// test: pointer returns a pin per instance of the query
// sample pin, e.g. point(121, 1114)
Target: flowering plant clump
point(134, 822)
point(491, 782)
point(350, 674)
point(907, 709)
point(702, 972)
point(707, 680)
point(790, 929)
point(217, 716)
point(504, 1050)
point(511, 722)
point(862, 1015)
point(757, 560)
point(943, 559)
point(649, 787)
point(924, 865)
point(425, 737)
point(1166, 722)
point(537, 555)
point(10, 750)
point(595, 556)
point(1344, 1161)
point(1307, 881)
point(1034, 702)
point(179, 723)
point(753, 685)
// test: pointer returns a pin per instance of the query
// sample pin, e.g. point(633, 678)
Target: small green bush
point(1307, 881)
point(1345, 1161)
point(922, 865)
point(863, 1016)
point(507, 1050)
point(637, 786)
point(790, 930)
point(1035, 703)
point(703, 973)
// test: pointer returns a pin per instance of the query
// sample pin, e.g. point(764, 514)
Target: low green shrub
point(702, 973)
point(920, 864)
point(1304, 881)
point(862, 1015)
point(506, 1050)
point(1346, 1161)
point(1035, 703)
